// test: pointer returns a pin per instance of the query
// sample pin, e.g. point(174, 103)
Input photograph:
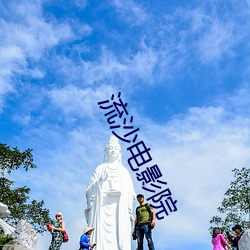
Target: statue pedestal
point(13, 247)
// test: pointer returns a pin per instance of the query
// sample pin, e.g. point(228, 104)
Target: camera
point(134, 235)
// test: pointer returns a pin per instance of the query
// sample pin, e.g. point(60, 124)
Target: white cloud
point(131, 12)
point(217, 42)
point(105, 69)
point(198, 19)
point(10, 59)
point(143, 63)
point(80, 3)
point(124, 70)
point(201, 34)
point(31, 33)
point(82, 102)
point(25, 35)
point(240, 100)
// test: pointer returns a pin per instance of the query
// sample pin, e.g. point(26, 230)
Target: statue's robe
point(244, 242)
point(110, 198)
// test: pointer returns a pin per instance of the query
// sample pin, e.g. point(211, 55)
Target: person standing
point(218, 240)
point(141, 225)
point(85, 239)
point(56, 231)
point(239, 231)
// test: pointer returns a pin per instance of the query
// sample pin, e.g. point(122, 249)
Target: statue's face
point(113, 150)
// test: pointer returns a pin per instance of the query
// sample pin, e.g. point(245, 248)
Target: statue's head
point(112, 150)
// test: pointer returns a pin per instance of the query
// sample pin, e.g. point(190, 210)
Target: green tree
point(235, 206)
point(17, 199)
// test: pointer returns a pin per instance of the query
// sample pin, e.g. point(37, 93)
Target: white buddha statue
point(25, 237)
point(110, 197)
point(4, 212)
point(244, 242)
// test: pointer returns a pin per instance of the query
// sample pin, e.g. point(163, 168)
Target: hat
point(59, 213)
point(237, 227)
point(88, 229)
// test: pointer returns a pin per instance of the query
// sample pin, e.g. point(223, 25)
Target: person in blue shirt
point(85, 239)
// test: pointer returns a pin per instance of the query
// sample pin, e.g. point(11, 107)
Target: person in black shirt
point(236, 237)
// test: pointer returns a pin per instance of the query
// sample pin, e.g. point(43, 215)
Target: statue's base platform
point(13, 247)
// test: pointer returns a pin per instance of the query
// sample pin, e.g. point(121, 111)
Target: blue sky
point(182, 67)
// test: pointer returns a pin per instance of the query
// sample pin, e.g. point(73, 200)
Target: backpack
point(149, 212)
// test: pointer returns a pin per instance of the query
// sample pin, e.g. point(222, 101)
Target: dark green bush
point(6, 240)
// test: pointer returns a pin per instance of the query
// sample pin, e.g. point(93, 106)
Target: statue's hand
point(132, 217)
point(104, 175)
point(90, 202)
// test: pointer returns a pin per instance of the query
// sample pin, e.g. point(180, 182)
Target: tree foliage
point(17, 199)
point(11, 159)
point(235, 206)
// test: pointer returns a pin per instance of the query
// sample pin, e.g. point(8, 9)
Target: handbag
point(65, 236)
